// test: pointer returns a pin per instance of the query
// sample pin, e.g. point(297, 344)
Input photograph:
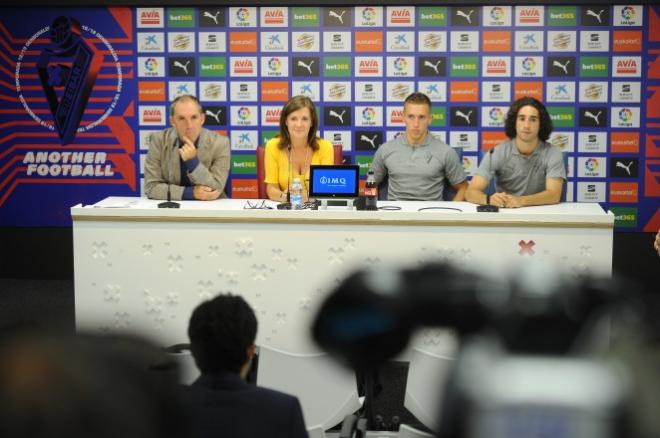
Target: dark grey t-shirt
point(520, 175)
point(417, 173)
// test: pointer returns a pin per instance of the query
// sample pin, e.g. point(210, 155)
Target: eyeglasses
point(257, 205)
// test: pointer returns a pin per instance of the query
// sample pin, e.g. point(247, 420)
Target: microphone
point(287, 205)
point(169, 203)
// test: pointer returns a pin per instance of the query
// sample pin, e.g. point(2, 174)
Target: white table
point(141, 268)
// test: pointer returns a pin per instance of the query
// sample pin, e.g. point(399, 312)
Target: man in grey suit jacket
point(222, 332)
point(187, 161)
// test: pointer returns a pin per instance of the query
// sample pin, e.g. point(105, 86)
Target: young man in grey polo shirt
point(529, 170)
point(417, 164)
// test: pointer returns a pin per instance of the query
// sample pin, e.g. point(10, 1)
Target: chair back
point(326, 390)
point(261, 168)
point(427, 375)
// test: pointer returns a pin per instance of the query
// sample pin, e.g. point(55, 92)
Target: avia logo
point(530, 16)
point(152, 116)
point(626, 66)
point(625, 115)
point(368, 66)
point(243, 66)
point(243, 15)
point(273, 115)
point(526, 247)
point(400, 16)
point(496, 66)
point(274, 17)
point(150, 17)
point(396, 116)
point(244, 113)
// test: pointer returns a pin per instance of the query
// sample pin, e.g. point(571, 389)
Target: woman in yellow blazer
point(295, 149)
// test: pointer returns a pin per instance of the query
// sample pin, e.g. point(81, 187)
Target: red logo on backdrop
point(526, 247)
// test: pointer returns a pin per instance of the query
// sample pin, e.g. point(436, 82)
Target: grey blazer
point(162, 168)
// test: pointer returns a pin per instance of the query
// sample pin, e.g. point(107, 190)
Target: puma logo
point(623, 166)
point(467, 16)
point(308, 67)
point(213, 17)
point(183, 67)
point(459, 113)
point(369, 140)
point(561, 66)
point(593, 116)
point(433, 66)
point(597, 15)
point(339, 116)
point(216, 115)
point(339, 17)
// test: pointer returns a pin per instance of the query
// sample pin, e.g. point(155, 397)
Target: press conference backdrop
point(83, 88)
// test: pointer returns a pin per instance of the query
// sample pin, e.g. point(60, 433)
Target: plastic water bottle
point(296, 194)
point(371, 192)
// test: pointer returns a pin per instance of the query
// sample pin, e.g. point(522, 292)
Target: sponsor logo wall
point(596, 68)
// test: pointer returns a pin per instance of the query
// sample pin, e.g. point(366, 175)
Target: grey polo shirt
point(520, 175)
point(417, 173)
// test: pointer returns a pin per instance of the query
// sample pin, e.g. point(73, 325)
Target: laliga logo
point(625, 115)
point(325, 180)
point(151, 64)
point(243, 15)
point(591, 165)
point(67, 69)
point(244, 113)
point(497, 13)
point(274, 64)
point(529, 64)
point(496, 115)
point(369, 14)
point(628, 13)
point(400, 64)
point(368, 114)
